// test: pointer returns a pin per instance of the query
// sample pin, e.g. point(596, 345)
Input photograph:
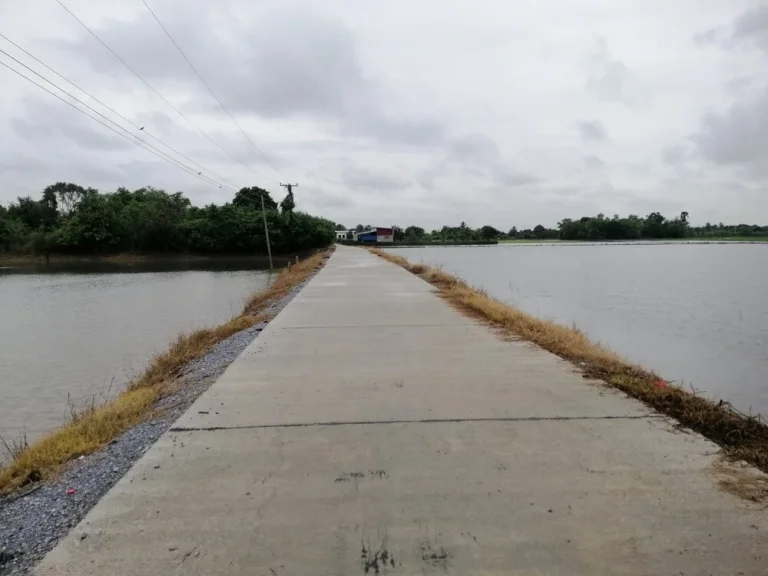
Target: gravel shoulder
point(32, 523)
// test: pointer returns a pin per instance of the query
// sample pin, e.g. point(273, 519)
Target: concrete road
point(373, 430)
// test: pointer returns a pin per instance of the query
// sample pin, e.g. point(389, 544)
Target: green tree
point(489, 233)
point(251, 198)
point(31, 213)
point(13, 232)
point(67, 195)
point(287, 205)
point(414, 235)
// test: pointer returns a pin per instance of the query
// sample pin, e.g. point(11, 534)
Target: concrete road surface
point(374, 430)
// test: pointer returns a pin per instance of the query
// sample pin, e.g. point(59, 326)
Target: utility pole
point(288, 203)
point(266, 232)
point(289, 187)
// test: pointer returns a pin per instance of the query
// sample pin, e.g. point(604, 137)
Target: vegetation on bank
point(93, 427)
point(652, 227)
point(73, 220)
point(742, 437)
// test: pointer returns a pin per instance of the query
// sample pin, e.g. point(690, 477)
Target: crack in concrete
point(421, 421)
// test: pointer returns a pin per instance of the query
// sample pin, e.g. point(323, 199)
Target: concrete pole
point(266, 233)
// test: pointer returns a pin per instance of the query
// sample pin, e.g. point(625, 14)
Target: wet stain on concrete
point(357, 476)
point(434, 555)
point(376, 561)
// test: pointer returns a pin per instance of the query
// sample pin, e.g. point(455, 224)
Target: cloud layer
point(502, 114)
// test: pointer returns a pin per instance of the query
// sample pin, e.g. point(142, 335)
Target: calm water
point(83, 331)
point(696, 314)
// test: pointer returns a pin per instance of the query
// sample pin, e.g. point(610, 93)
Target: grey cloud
point(592, 162)
point(610, 79)
point(23, 173)
point(479, 155)
point(426, 177)
point(508, 176)
point(750, 28)
point(103, 141)
point(322, 90)
point(712, 36)
point(397, 131)
point(31, 130)
point(475, 148)
point(291, 63)
point(737, 136)
point(592, 130)
point(358, 178)
point(323, 202)
point(140, 173)
point(739, 84)
point(675, 154)
point(42, 119)
point(54, 169)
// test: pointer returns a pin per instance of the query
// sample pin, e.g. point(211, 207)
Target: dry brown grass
point(738, 478)
point(742, 437)
point(94, 426)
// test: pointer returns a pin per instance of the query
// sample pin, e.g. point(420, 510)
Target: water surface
point(694, 313)
point(68, 333)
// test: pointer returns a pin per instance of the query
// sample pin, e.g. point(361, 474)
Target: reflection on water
point(84, 330)
point(696, 314)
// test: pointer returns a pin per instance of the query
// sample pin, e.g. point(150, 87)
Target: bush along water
point(72, 220)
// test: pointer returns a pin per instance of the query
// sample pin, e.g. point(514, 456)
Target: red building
point(385, 235)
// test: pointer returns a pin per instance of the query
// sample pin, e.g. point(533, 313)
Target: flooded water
point(71, 333)
point(696, 314)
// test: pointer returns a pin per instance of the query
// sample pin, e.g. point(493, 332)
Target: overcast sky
point(423, 112)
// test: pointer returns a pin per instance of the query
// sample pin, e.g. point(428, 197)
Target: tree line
point(70, 219)
point(653, 226)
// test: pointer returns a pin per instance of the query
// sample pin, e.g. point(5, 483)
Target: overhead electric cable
point(140, 143)
point(179, 112)
point(115, 112)
point(210, 90)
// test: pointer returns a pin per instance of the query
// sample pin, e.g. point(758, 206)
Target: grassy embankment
point(741, 437)
point(95, 426)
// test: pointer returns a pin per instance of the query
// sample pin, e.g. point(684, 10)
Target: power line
point(164, 155)
point(115, 112)
point(210, 90)
point(140, 143)
point(179, 112)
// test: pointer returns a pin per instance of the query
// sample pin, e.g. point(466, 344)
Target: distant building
point(341, 234)
point(374, 235)
point(385, 235)
point(367, 236)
